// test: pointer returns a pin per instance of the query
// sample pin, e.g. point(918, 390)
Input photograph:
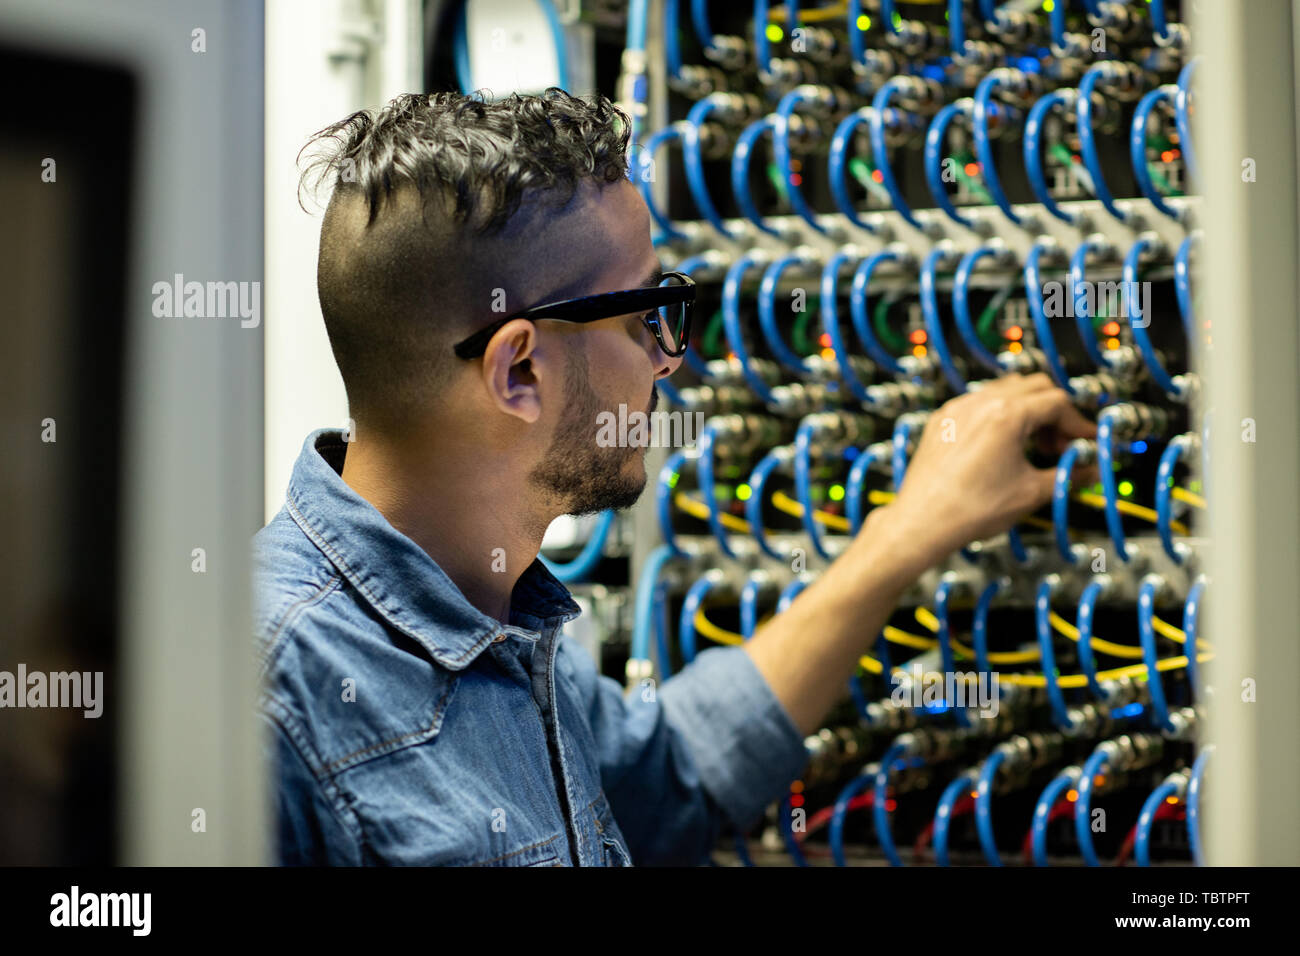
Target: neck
point(468, 511)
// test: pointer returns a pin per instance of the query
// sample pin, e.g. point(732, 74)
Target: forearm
point(808, 653)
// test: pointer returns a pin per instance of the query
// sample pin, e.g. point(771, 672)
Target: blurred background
point(151, 143)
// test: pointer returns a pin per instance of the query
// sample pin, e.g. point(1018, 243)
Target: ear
point(511, 371)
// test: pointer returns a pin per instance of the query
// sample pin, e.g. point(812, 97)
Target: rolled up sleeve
point(709, 744)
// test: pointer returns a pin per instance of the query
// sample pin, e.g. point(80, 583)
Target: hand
point(969, 478)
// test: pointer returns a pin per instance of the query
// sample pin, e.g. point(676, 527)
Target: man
point(421, 705)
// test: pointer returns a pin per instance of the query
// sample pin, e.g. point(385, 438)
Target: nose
point(667, 365)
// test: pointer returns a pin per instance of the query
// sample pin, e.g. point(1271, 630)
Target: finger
point(1053, 408)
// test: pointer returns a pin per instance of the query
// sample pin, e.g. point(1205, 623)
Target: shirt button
point(498, 639)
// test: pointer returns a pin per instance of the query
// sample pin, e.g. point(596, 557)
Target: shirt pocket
point(543, 853)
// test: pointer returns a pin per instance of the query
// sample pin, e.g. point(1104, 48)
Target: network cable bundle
point(884, 204)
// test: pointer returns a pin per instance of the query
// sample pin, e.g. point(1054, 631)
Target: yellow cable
point(1191, 497)
point(1067, 681)
point(715, 633)
point(895, 636)
point(698, 509)
point(818, 15)
point(1106, 647)
point(1127, 507)
point(791, 507)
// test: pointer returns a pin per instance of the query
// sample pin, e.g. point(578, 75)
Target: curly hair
point(389, 298)
point(486, 154)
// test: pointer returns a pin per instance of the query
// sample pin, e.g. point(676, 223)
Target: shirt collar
point(395, 575)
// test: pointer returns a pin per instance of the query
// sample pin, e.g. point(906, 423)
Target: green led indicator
point(774, 33)
point(837, 492)
point(1126, 488)
point(743, 492)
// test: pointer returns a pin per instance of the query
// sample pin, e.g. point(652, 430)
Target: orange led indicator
point(824, 340)
point(918, 351)
point(1014, 348)
point(1110, 328)
point(878, 176)
point(1015, 333)
point(972, 169)
point(917, 336)
point(1112, 344)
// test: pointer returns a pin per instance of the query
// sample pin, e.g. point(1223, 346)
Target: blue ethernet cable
point(1194, 804)
point(1106, 451)
point(846, 795)
point(1034, 295)
point(1065, 100)
point(781, 150)
point(1063, 781)
point(878, 453)
point(980, 623)
point(700, 20)
point(1047, 652)
point(762, 46)
point(767, 310)
point(691, 604)
point(984, 110)
point(460, 45)
point(704, 469)
point(989, 11)
point(961, 303)
point(880, 109)
point(837, 165)
point(857, 42)
point(749, 594)
point(638, 17)
point(1146, 609)
point(580, 568)
point(731, 287)
point(1057, 23)
point(1077, 283)
point(789, 593)
point(672, 37)
point(669, 392)
point(1138, 149)
point(1138, 323)
point(880, 805)
point(1147, 819)
point(740, 157)
point(661, 630)
point(1061, 499)
point(1191, 628)
point(902, 436)
point(1159, 22)
point(942, 594)
point(943, 813)
point(659, 138)
point(930, 311)
point(1177, 450)
point(831, 324)
point(673, 466)
point(787, 834)
point(887, 15)
point(956, 29)
point(780, 457)
point(1183, 284)
point(1083, 623)
point(934, 159)
point(803, 446)
point(984, 806)
point(693, 162)
point(643, 616)
point(1182, 119)
point(1092, 768)
point(858, 309)
point(1087, 139)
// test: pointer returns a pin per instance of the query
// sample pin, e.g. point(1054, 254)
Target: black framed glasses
point(665, 308)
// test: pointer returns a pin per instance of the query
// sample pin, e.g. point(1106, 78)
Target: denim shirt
point(405, 726)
